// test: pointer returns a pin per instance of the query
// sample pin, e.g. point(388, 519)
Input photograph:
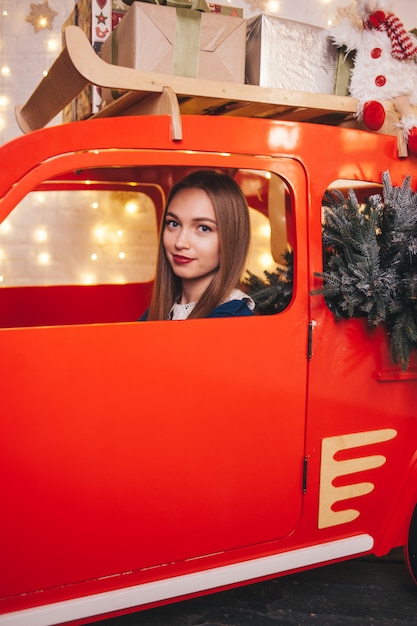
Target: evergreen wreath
point(370, 265)
point(370, 262)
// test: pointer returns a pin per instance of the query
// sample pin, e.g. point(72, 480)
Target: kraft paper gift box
point(289, 55)
point(184, 42)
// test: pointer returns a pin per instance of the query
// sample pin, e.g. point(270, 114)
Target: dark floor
point(360, 592)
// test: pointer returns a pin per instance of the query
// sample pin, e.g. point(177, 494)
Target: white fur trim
point(359, 111)
point(407, 123)
point(401, 76)
point(366, 7)
point(345, 34)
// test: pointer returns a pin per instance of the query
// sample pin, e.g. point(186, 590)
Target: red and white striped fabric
point(403, 46)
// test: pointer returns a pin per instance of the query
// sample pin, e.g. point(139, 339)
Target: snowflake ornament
point(41, 16)
point(257, 5)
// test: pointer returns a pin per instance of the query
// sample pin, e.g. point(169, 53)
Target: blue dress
point(232, 308)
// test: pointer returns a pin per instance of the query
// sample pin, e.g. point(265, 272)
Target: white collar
point(182, 311)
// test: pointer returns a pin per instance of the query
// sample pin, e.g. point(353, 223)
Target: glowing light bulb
point(120, 233)
point(88, 279)
point(44, 258)
point(265, 230)
point(5, 228)
point(266, 259)
point(53, 44)
point(131, 207)
point(94, 256)
point(273, 6)
point(4, 101)
point(99, 233)
point(5, 70)
point(122, 255)
point(41, 235)
point(94, 205)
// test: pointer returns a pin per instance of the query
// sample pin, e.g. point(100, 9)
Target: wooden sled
point(145, 93)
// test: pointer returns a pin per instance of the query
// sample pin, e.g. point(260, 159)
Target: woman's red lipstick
point(181, 260)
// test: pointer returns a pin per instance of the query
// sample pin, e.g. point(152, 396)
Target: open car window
point(99, 228)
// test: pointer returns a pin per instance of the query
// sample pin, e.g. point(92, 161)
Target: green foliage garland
point(370, 264)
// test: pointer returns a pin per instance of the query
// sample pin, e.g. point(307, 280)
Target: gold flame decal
point(332, 469)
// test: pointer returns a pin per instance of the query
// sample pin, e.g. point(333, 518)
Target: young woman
point(202, 253)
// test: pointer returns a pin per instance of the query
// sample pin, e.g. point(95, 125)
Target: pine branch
point(272, 293)
point(354, 284)
point(370, 262)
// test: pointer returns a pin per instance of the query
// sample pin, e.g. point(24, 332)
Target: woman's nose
point(183, 239)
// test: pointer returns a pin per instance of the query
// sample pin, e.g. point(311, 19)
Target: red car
point(144, 463)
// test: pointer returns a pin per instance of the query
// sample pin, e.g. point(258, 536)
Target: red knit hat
point(402, 45)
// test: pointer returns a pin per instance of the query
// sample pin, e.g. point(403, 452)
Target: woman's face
point(191, 239)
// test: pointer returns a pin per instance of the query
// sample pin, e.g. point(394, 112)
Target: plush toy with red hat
point(385, 66)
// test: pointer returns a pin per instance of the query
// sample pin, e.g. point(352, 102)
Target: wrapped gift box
point(225, 9)
point(184, 42)
point(97, 18)
point(344, 67)
point(289, 55)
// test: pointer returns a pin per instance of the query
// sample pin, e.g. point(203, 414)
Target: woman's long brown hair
point(232, 216)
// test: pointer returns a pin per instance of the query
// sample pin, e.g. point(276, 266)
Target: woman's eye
point(204, 228)
point(171, 224)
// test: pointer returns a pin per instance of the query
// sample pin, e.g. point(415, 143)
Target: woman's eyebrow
point(204, 219)
point(195, 219)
